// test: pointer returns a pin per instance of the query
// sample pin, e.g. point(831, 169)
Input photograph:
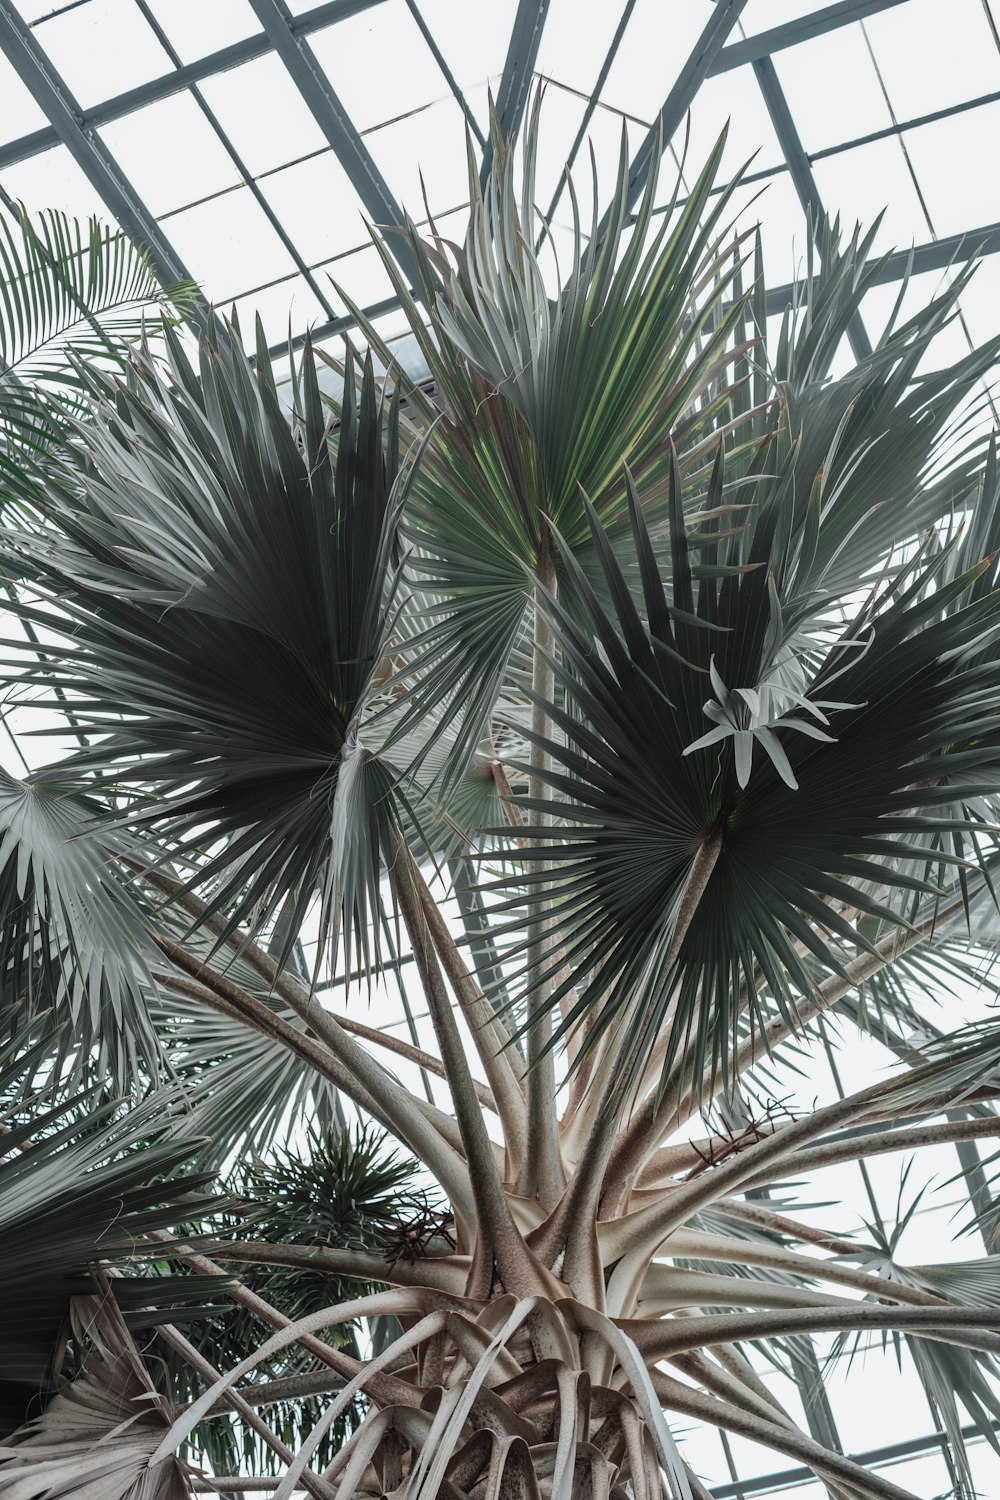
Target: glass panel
point(931, 57)
point(734, 99)
point(572, 53)
point(562, 111)
point(317, 206)
point(814, 75)
point(228, 246)
point(102, 49)
point(473, 43)
point(146, 144)
point(53, 180)
point(19, 114)
point(947, 157)
point(870, 180)
point(761, 15)
point(196, 29)
point(38, 10)
point(655, 47)
point(379, 64)
point(361, 274)
point(431, 143)
point(263, 113)
point(775, 205)
point(290, 301)
point(981, 299)
point(560, 122)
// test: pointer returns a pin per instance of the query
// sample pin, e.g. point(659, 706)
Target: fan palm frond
point(71, 935)
point(690, 861)
point(218, 606)
point(98, 1433)
point(80, 1178)
point(544, 394)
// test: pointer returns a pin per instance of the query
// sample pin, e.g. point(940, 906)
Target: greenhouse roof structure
point(248, 144)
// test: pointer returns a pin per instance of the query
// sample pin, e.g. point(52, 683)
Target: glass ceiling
point(247, 142)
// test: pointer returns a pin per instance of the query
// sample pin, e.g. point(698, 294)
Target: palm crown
point(671, 651)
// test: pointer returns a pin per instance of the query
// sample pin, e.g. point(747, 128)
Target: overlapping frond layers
point(216, 579)
point(98, 1433)
point(545, 391)
point(731, 802)
point(79, 1179)
point(243, 1091)
point(71, 937)
point(895, 442)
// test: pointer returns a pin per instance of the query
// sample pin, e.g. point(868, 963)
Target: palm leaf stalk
point(688, 651)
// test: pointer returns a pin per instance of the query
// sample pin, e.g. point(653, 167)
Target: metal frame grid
point(722, 48)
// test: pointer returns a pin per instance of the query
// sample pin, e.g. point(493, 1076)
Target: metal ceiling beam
point(802, 177)
point(248, 48)
point(445, 71)
point(336, 124)
point(518, 70)
point(803, 29)
point(89, 151)
point(151, 92)
point(315, 286)
point(873, 1459)
point(725, 14)
point(330, 329)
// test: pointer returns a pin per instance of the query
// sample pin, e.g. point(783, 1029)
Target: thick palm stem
point(693, 1245)
point(385, 1389)
point(398, 1113)
point(500, 1241)
point(971, 1327)
point(489, 1038)
point(831, 1465)
point(443, 1273)
point(768, 1218)
point(576, 1215)
point(542, 1174)
point(878, 1143)
point(659, 1115)
point(423, 1059)
point(637, 1234)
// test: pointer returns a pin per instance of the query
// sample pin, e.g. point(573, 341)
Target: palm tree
point(664, 649)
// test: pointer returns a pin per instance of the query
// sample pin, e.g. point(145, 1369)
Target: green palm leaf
point(791, 821)
point(891, 443)
point(71, 936)
point(67, 286)
point(218, 582)
point(544, 395)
